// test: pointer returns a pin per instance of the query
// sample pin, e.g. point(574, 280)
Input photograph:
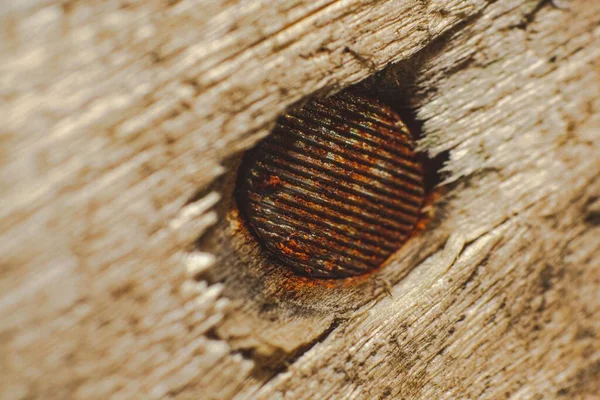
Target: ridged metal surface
point(335, 189)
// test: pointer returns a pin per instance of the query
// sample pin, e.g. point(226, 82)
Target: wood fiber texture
point(119, 119)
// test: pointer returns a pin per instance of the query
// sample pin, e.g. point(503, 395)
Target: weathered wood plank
point(118, 115)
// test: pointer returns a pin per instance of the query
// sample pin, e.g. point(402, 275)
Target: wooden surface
point(125, 272)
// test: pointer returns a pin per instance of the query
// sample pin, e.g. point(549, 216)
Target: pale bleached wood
point(114, 114)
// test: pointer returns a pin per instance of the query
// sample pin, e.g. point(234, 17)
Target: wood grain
point(126, 275)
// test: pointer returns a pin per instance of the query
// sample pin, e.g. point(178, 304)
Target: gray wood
point(126, 272)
